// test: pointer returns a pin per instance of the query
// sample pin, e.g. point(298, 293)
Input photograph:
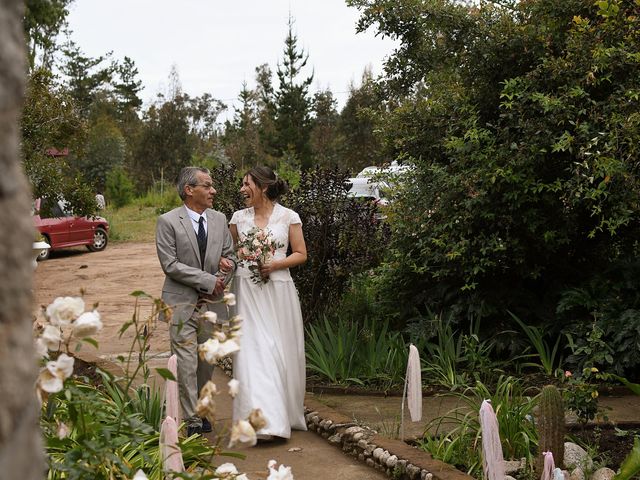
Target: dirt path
point(107, 278)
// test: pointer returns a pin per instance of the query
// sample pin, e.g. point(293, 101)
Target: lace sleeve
point(294, 218)
point(235, 218)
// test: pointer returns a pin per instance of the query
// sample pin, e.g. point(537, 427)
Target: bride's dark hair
point(263, 176)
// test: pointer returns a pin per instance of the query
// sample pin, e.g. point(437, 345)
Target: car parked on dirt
point(61, 229)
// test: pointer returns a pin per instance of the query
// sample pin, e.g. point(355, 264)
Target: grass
point(131, 223)
point(136, 222)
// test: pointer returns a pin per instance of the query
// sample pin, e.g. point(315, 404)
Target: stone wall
point(394, 457)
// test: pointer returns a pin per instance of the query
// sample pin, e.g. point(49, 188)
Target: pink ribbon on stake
point(492, 459)
point(548, 466)
point(171, 398)
point(169, 449)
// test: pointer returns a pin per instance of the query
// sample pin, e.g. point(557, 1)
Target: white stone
point(511, 466)
point(576, 456)
point(352, 430)
point(391, 461)
point(377, 453)
point(383, 458)
point(603, 473)
point(335, 439)
point(426, 475)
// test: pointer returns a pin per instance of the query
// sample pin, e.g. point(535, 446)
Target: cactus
point(551, 427)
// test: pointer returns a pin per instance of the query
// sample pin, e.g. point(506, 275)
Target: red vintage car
point(62, 229)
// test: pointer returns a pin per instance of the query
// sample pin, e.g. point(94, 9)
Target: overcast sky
point(217, 44)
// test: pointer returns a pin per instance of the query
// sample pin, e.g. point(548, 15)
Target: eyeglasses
point(207, 186)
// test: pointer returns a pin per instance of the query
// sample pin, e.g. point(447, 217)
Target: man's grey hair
point(188, 176)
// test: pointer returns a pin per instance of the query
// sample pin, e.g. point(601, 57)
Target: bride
point(270, 366)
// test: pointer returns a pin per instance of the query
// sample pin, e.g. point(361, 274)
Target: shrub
point(342, 236)
point(119, 188)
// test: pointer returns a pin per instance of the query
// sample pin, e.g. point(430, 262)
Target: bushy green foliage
point(342, 237)
point(602, 318)
point(363, 353)
point(119, 188)
point(521, 120)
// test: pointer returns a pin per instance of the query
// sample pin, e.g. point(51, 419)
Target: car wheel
point(100, 240)
point(46, 252)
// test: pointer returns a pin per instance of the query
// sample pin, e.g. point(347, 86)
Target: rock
point(362, 444)
point(603, 473)
point(383, 458)
point(358, 436)
point(335, 439)
point(413, 471)
point(353, 430)
point(576, 456)
point(576, 474)
point(377, 453)
point(426, 475)
point(392, 461)
point(512, 466)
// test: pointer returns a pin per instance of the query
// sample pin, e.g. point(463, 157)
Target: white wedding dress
point(270, 365)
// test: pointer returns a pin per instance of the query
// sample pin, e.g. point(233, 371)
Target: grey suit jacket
point(179, 256)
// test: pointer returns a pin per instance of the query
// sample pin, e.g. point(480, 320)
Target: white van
point(366, 188)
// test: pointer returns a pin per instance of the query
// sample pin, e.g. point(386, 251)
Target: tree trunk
point(21, 454)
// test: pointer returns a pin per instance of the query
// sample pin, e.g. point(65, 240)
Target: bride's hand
point(268, 268)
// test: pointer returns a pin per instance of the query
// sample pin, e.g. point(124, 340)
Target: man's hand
point(219, 288)
point(225, 265)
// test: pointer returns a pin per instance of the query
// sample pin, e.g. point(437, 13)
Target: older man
point(193, 242)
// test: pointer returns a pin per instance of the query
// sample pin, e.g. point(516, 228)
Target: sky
point(217, 44)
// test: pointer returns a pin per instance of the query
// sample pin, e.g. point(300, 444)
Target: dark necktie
point(202, 240)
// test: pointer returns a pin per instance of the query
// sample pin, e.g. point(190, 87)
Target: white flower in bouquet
point(213, 349)
point(65, 310)
point(140, 475)
point(242, 432)
point(87, 324)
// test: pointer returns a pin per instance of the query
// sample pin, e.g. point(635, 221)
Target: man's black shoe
point(194, 430)
point(206, 426)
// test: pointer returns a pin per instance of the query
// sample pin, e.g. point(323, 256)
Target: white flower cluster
point(224, 341)
point(244, 431)
point(65, 313)
point(228, 471)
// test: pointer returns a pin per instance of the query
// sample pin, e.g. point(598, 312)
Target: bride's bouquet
point(257, 248)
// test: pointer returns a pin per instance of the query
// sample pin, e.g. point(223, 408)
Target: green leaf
point(166, 374)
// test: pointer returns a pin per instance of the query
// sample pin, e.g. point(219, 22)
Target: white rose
point(51, 336)
point(234, 386)
point(227, 348)
point(87, 324)
point(41, 349)
point(229, 299)
point(209, 350)
point(226, 469)
point(53, 375)
point(242, 432)
point(210, 316)
point(140, 475)
point(62, 431)
point(65, 310)
point(283, 473)
point(257, 419)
